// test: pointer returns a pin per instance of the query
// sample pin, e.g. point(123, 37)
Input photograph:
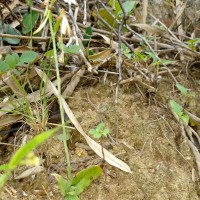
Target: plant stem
point(59, 95)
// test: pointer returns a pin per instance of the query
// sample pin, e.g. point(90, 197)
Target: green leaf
point(3, 179)
point(24, 151)
point(123, 46)
point(28, 57)
point(3, 167)
point(28, 147)
point(11, 31)
point(17, 72)
point(166, 62)
point(92, 131)
point(29, 21)
point(181, 88)
point(84, 178)
point(97, 135)
point(57, 25)
point(16, 56)
point(128, 55)
point(152, 55)
point(107, 16)
point(63, 185)
point(71, 49)
point(88, 30)
point(185, 118)
point(73, 197)
point(177, 108)
point(140, 56)
point(4, 67)
point(194, 41)
point(128, 7)
point(49, 53)
point(100, 126)
point(88, 35)
point(116, 5)
point(106, 132)
point(30, 3)
point(11, 61)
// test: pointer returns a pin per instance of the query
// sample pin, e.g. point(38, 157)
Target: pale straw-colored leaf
point(71, 2)
point(42, 24)
point(65, 28)
point(29, 172)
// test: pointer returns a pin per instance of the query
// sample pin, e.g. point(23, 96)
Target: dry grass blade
point(12, 84)
point(73, 83)
point(31, 171)
point(144, 11)
point(177, 19)
point(109, 157)
point(11, 6)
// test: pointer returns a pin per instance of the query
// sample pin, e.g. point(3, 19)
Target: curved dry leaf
point(65, 27)
point(109, 157)
point(100, 56)
point(149, 28)
point(113, 44)
point(42, 24)
point(31, 171)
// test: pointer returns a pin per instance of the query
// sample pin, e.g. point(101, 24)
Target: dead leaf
point(99, 57)
point(149, 28)
point(73, 83)
point(12, 5)
point(31, 171)
point(9, 119)
point(114, 45)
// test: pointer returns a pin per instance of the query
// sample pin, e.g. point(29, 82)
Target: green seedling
point(126, 51)
point(70, 189)
point(178, 109)
point(192, 44)
point(100, 131)
point(13, 60)
point(73, 49)
point(87, 35)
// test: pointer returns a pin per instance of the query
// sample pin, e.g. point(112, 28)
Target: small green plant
point(147, 55)
point(99, 131)
point(127, 52)
point(13, 60)
point(70, 189)
point(192, 44)
point(178, 109)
